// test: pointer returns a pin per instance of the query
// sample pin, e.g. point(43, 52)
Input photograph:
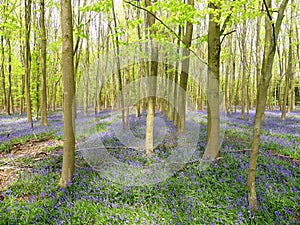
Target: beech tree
point(27, 62)
point(150, 20)
point(214, 49)
point(67, 62)
point(43, 65)
point(184, 72)
point(272, 29)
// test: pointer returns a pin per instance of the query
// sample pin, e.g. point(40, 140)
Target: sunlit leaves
point(98, 6)
point(79, 30)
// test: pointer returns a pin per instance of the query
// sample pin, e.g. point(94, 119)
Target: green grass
point(8, 146)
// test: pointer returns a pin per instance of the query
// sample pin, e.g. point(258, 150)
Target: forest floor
point(30, 164)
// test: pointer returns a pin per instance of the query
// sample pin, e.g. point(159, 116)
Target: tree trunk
point(118, 67)
point(266, 75)
point(175, 83)
point(86, 74)
point(9, 97)
point(3, 74)
point(244, 65)
point(28, 60)
point(151, 86)
point(290, 68)
point(184, 73)
point(68, 164)
point(43, 66)
point(285, 95)
point(257, 53)
point(212, 150)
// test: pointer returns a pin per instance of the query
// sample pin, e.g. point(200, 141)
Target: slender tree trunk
point(232, 77)
point(251, 83)
point(9, 97)
point(35, 73)
point(258, 49)
point(212, 150)
point(184, 73)
point(226, 91)
point(43, 66)
point(118, 67)
point(285, 95)
point(171, 75)
point(176, 75)
point(22, 94)
point(3, 74)
point(138, 87)
point(244, 65)
point(28, 60)
point(22, 59)
point(271, 37)
point(151, 85)
point(86, 74)
point(68, 164)
point(290, 68)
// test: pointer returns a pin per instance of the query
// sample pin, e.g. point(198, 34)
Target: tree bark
point(67, 61)
point(9, 97)
point(28, 60)
point(290, 68)
point(184, 73)
point(244, 65)
point(271, 37)
point(86, 74)
point(43, 66)
point(118, 67)
point(212, 150)
point(151, 85)
point(3, 74)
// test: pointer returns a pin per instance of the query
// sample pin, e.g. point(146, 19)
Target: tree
point(118, 66)
point(67, 61)
point(150, 21)
point(43, 66)
point(214, 49)
point(3, 73)
point(9, 97)
point(27, 60)
point(184, 73)
point(271, 37)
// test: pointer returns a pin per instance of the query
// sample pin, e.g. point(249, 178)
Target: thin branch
point(152, 14)
point(270, 18)
point(225, 23)
point(224, 35)
point(166, 26)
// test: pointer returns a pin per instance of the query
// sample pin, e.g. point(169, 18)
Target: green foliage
point(79, 31)
point(98, 6)
point(8, 146)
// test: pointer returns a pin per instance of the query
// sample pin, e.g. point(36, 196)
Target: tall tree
point(43, 65)
point(27, 61)
point(184, 72)
point(214, 49)
point(9, 97)
point(272, 30)
point(150, 21)
point(3, 72)
point(244, 65)
point(67, 61)
point(118, 65)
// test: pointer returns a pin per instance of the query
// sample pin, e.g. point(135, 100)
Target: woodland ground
point(30, 164)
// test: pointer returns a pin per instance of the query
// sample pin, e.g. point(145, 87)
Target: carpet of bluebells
point(193, 195)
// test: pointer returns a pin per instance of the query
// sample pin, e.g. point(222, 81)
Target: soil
point(14, 161)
